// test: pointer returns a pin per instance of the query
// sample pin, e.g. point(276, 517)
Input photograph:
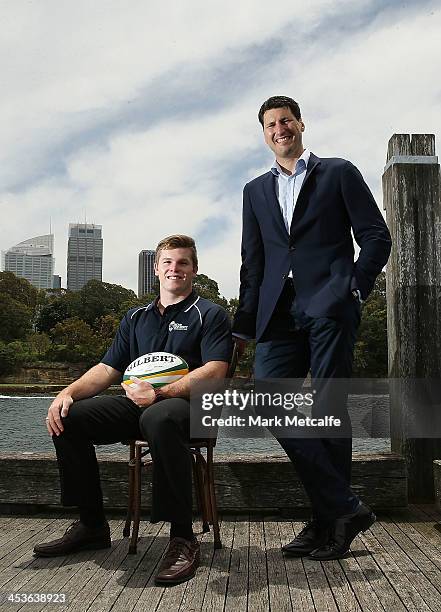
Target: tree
point(74, 341)
point(18, 289)
point(38, 344)
point(55, 310)
point(72, 332)
point(208, 288)
point(8, 358)
point(97, 299)
point(370, 355)
point(15, 318)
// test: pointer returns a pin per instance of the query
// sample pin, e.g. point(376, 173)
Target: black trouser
point(110, 419)
point(293, 344)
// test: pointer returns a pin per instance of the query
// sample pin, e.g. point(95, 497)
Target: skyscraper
point(84, 255)
point(146, 272)
point(33, 260)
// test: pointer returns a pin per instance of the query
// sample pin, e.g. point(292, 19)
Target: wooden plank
point(33, 574)
point(18, 525)
point(431, 510)
point(372, 586)
point(85, 584)
point(194, 594)
point(366, 579)
point(279, 594)
point(423, 523)
point(172, 598)
point(248, 482)
point(418, 535)
point(117, 578)
point(24, 531)
point(426, 556)
point(340, 587)
point(412, 562)
point(258, 593)
point(402, 584)
point(57, 573)
point(139, 592)
point(19, 553)
point(44, 572)
point(301, 598)
point(321, 594)
point(237, 592)
point(214, 598)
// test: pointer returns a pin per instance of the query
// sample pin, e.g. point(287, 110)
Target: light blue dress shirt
point(288, 186)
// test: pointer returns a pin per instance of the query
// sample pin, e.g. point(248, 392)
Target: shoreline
point(29, 388)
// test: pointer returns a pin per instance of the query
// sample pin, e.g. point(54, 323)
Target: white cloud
point(77, 74)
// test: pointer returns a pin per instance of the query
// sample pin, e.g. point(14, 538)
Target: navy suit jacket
point(318, 249)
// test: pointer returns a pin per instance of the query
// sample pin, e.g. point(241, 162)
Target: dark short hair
point(279, 102)
point(178, 241)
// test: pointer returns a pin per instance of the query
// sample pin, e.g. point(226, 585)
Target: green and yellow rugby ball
point(158, 369)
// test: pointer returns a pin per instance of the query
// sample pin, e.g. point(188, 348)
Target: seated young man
point(77, 419)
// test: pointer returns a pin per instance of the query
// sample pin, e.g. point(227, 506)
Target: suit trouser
point(293, 344)
point(110, 419)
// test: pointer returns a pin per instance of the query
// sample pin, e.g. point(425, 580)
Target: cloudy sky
point(141, 115)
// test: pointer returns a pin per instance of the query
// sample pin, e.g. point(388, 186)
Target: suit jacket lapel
point(269, 189)
point(302, 201)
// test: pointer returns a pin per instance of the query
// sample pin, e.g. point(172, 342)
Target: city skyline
point(84, 255)
point(33, 260)
point(146, 272)
point(156, 133)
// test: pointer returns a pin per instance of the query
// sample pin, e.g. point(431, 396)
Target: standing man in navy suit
point(300, 298)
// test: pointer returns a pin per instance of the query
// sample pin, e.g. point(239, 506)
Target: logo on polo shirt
point(177, 326)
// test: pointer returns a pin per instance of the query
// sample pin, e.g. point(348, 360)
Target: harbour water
point(23, 428)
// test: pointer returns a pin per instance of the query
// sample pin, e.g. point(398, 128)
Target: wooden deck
point(396, 566)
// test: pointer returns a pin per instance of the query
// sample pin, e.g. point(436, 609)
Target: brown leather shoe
point(76, 537)
point(180, 561)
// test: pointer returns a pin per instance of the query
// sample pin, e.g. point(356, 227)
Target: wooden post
point(411, 189)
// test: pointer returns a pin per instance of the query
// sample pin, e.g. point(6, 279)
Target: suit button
point(285, 276)
point(292, 248)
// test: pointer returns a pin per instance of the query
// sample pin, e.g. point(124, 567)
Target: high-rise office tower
point(33, 260)
point(146, 272)
point(84, 254)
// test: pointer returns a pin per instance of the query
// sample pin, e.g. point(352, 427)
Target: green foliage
point(56, 308)
point(74, 340)
point(97, 299)
point(209, 289)
point(15, 318)
point(38, 344)
point(8, 358)
point(19, 289)
point(79, 326)
point(370, 355)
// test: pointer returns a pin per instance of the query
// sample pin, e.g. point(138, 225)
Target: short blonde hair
point(177, 241)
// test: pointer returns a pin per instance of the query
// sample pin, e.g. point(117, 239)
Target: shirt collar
point(179, 305)
point(301, 165)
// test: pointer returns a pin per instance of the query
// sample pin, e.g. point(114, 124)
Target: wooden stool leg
point(126, 530)
point(137, 501)
point(202, 485)
point(212, 497)
point(196, 483)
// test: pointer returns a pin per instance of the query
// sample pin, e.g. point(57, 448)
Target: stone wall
point(45, 373)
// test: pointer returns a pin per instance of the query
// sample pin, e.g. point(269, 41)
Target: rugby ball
point(158, 369)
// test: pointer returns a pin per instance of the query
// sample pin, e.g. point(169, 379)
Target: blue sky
point(142, 116)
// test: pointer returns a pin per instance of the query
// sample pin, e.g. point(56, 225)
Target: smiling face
point(283, 133)
point(175, 270)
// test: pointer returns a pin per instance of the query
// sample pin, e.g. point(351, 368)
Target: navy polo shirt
point(196, 329)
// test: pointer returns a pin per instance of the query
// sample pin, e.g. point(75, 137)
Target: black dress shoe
point(76, 537)
point(312, 536)
point(344, 530)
